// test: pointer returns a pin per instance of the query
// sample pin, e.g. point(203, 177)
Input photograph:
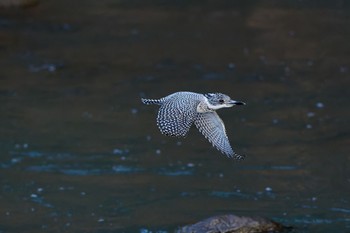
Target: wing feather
point(213, 129)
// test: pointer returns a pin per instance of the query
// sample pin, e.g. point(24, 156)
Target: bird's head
point(219, 100)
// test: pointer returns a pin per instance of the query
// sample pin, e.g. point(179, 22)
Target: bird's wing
point(213, 129)
point(176, 116)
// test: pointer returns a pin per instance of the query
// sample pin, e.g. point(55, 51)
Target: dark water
point(80, 153)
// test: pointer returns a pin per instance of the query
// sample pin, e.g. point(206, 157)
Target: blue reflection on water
point(223, 194)
point(37, 161)
point(40, 200)
point(80, 172)
point(340, 210)
point(175, 171)
point(144, 230)
point(126, 169)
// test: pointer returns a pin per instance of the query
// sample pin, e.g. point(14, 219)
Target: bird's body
point(178, 111)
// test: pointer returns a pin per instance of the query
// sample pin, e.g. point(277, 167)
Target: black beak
point(234, 102)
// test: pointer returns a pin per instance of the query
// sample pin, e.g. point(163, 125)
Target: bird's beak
point(234, 102)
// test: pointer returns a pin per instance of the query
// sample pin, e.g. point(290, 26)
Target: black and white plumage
point(180, 110)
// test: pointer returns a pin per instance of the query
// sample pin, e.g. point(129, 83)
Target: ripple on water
point(175, 171)
point(341, 210)
point(224, 194)
point(126, 169)
point(37, 161)
point(40, 200)
point(144, 230)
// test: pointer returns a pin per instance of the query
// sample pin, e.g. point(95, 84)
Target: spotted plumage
point(180, 110)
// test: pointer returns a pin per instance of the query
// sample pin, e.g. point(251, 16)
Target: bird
point(180, 110)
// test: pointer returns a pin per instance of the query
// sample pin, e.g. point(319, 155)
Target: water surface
point(80, 153)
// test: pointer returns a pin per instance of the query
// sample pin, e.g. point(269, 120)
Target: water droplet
point(118, 151)
point(319, 105)
point(16, 160)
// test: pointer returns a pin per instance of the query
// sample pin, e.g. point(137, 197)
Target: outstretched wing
point(176, 115)
point(213, 129)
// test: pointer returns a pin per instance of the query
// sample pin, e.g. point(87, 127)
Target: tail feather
point(151, 101)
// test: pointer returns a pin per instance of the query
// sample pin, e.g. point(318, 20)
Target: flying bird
point(178, 111)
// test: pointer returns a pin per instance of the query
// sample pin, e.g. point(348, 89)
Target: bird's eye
point(221, 101)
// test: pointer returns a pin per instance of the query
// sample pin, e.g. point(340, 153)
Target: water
point(80, 153)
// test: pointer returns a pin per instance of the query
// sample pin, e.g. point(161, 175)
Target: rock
point(233, 224)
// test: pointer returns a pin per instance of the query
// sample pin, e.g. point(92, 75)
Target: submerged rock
point(233, 224)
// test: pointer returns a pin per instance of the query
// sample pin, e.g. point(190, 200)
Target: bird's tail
point(151, 101)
